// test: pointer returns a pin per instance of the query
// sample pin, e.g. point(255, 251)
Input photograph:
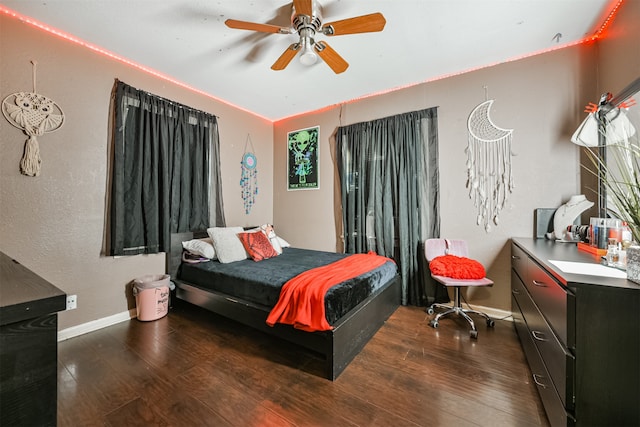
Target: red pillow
point(257, 245)
point(456, 267)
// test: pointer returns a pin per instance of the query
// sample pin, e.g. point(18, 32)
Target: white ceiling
point(423, 40)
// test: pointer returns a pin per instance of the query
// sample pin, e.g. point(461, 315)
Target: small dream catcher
point(34, 114)
point(489, 173)
point(249, 176)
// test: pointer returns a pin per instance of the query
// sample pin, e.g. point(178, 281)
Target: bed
point(227, 290)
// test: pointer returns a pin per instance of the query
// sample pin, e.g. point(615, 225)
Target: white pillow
point(200, 247)
point(273, 239)
point(283, 242)
point(227, 245)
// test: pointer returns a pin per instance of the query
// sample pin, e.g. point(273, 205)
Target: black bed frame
point(338, 346)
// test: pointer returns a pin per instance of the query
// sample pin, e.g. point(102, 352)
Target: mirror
point(611, 134)
point(610, 125)
point(618, 157)
point(620, 122)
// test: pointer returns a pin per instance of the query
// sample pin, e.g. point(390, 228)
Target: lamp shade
point(618, 129)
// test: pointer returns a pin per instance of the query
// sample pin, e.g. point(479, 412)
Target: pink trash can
point(152, 296)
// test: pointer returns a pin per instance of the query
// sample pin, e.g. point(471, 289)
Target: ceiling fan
point(306, 21)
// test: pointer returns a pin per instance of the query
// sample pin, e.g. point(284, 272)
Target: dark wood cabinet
point(28, 346)
point(580, 334)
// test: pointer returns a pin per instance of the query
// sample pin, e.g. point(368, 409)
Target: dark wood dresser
point(28, 346)
point(580, 334)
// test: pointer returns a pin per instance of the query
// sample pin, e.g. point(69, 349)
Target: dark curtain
point(390, 193)
point(165, 171)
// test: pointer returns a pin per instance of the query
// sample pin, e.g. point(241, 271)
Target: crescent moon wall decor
point(489, 172)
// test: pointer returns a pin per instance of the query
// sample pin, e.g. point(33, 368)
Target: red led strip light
point(590, 39)
point(607, 22)
point(598, 35)
point(118, 58)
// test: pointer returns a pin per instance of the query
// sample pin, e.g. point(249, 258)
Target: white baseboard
point(94, 325)
point(494, 313)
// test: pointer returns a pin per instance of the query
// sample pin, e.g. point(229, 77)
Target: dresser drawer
point(553, 405)
point(558, 361)
point(580, 329)
point(519, 262)
point(550, 297)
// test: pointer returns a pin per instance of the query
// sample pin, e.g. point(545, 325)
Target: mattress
point(260, 282)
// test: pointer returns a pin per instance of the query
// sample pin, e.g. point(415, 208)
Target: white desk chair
point(437, 247)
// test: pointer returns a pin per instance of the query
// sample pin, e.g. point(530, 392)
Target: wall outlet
point(72, 302)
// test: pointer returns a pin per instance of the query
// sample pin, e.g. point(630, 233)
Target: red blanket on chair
point(301, 302)
point(456, 267)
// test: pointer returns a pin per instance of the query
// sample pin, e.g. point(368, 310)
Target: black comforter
point(260, 282)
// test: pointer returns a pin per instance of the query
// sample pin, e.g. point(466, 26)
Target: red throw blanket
point(456, 267)
point(301, 302)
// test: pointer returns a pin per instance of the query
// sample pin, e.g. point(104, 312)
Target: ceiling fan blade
point(303, 7)
point(331, 57)
point(286, 57)
point(359, 24)
point(252, 26)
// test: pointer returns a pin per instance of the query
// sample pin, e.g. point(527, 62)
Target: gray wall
point(619, 51)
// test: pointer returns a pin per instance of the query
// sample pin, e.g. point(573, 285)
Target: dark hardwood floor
point(193, 368)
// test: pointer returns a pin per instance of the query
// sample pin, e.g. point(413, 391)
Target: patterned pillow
point(257, 245)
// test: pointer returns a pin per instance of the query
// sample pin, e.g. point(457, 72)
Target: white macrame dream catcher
point(489, 173)
point(35, 115)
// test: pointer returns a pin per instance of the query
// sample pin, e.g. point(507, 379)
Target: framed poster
point(302, 159)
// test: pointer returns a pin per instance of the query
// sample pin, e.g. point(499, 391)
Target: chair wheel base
point(464, 313)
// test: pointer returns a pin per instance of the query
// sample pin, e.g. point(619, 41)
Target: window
point(165, 172)
point(389, 185)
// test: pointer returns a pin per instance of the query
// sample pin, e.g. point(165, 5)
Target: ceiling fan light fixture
point(308, 56)
point(306, 21)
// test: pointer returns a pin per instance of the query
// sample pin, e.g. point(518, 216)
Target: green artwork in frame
point(302, 159)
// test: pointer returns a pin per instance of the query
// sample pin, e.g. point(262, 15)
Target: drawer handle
point(540, 284)
point(539, 336)
point(516, 257)
point(515, 292)
point(535, 380)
